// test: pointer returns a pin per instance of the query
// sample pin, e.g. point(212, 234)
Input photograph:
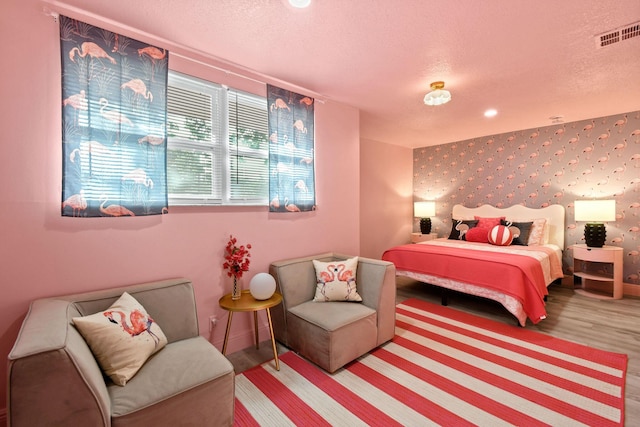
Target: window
point(217, 152)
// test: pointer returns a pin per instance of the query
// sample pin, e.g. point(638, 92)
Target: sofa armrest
point(376, 284)
point(49, 354)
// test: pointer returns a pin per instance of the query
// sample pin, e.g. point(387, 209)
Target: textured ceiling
point(530, 60)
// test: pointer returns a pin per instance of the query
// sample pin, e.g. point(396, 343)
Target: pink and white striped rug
point(443, 367)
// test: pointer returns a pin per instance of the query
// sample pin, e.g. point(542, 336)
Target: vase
point(236, 293)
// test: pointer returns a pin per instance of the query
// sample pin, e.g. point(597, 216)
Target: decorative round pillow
point(500, 235)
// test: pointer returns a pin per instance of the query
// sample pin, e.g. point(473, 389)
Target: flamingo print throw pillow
point(336, 280)
point(121, 338)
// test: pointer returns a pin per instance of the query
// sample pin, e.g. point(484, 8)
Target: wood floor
point(608, 325)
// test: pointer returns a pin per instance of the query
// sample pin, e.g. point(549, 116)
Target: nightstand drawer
point(594, 254)
point(419, 237)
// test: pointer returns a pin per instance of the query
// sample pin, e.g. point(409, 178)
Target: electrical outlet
point(213, 321)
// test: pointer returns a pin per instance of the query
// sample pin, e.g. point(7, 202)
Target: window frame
point(221, 152)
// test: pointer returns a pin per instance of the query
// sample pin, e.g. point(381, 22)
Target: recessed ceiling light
point(300, 3)
point(490, 113)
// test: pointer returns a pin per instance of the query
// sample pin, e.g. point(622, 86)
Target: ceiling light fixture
point(438, 95)
point(300, 3)
point(490, 113)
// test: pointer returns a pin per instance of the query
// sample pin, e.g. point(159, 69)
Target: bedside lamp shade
point(424, 210)
point(595, 212)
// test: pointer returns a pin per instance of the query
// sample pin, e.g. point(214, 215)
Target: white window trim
point(221, 161)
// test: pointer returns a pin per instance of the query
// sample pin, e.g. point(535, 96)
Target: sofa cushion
point(330, 335)
point(180, 367)
point(121, 338)
point(336, 280)
point(332, 315)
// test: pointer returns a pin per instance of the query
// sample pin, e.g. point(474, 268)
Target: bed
point(516, 276)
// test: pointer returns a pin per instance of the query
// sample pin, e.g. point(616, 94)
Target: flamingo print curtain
point(113, 123)
point(291, 160)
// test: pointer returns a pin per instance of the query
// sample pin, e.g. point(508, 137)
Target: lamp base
point(595, 235)
point(425, 225)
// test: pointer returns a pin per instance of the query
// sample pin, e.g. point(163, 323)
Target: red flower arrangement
point(236, 258)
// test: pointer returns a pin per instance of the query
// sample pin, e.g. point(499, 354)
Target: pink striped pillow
point(500, 236)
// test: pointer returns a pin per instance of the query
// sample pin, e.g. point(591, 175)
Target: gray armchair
point(54, 379)
point(332, 334)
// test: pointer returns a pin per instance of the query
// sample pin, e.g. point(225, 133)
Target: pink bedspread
point(519, 276)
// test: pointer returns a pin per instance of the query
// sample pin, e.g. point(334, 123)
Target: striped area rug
point(443, 367)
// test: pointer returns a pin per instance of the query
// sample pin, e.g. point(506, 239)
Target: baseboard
point(631, 290)
point(243, 340)
point(567, 281)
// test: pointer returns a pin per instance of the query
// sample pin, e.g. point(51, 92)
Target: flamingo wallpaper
point(113, 123)
point(598, 158)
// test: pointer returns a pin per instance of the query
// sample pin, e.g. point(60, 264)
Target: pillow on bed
point(478, 234)
point(539, 234)
point(460, 227)
point(520, 231)
point(488, 223)
point(500, 235)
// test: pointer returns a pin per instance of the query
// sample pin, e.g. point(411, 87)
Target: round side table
point(250, 304)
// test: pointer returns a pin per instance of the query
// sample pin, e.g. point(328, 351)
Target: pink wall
point(44, 254)
point(386, 197)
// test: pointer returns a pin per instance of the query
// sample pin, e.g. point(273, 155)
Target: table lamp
point(595, 212)
point(424, 210)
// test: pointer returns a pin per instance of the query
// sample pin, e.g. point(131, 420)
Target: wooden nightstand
point(598, 271)
point(419, 237)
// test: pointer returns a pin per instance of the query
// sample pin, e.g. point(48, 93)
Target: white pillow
point(539, 232)
point(336, 280)
point(121, 338)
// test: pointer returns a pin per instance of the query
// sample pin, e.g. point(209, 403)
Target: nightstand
point(419, 237)
point(598, 271)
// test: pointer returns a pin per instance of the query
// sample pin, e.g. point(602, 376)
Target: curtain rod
point(53, 8)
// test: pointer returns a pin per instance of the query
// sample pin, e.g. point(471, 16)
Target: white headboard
point(554, 215)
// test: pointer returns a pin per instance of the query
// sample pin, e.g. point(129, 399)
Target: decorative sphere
point(262, 286)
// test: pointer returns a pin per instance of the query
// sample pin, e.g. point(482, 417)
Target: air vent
point(617, 35)
point(630, 31)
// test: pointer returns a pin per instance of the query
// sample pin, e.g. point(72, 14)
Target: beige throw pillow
point(121, 338)
point(539, 234)
point(336, 280)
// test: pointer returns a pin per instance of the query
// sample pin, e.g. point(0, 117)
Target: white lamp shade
point(424, 209)
point(262, 286)
point(595, 210)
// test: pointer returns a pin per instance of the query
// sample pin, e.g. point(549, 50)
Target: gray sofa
point(55, 380)
point(332, 334)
